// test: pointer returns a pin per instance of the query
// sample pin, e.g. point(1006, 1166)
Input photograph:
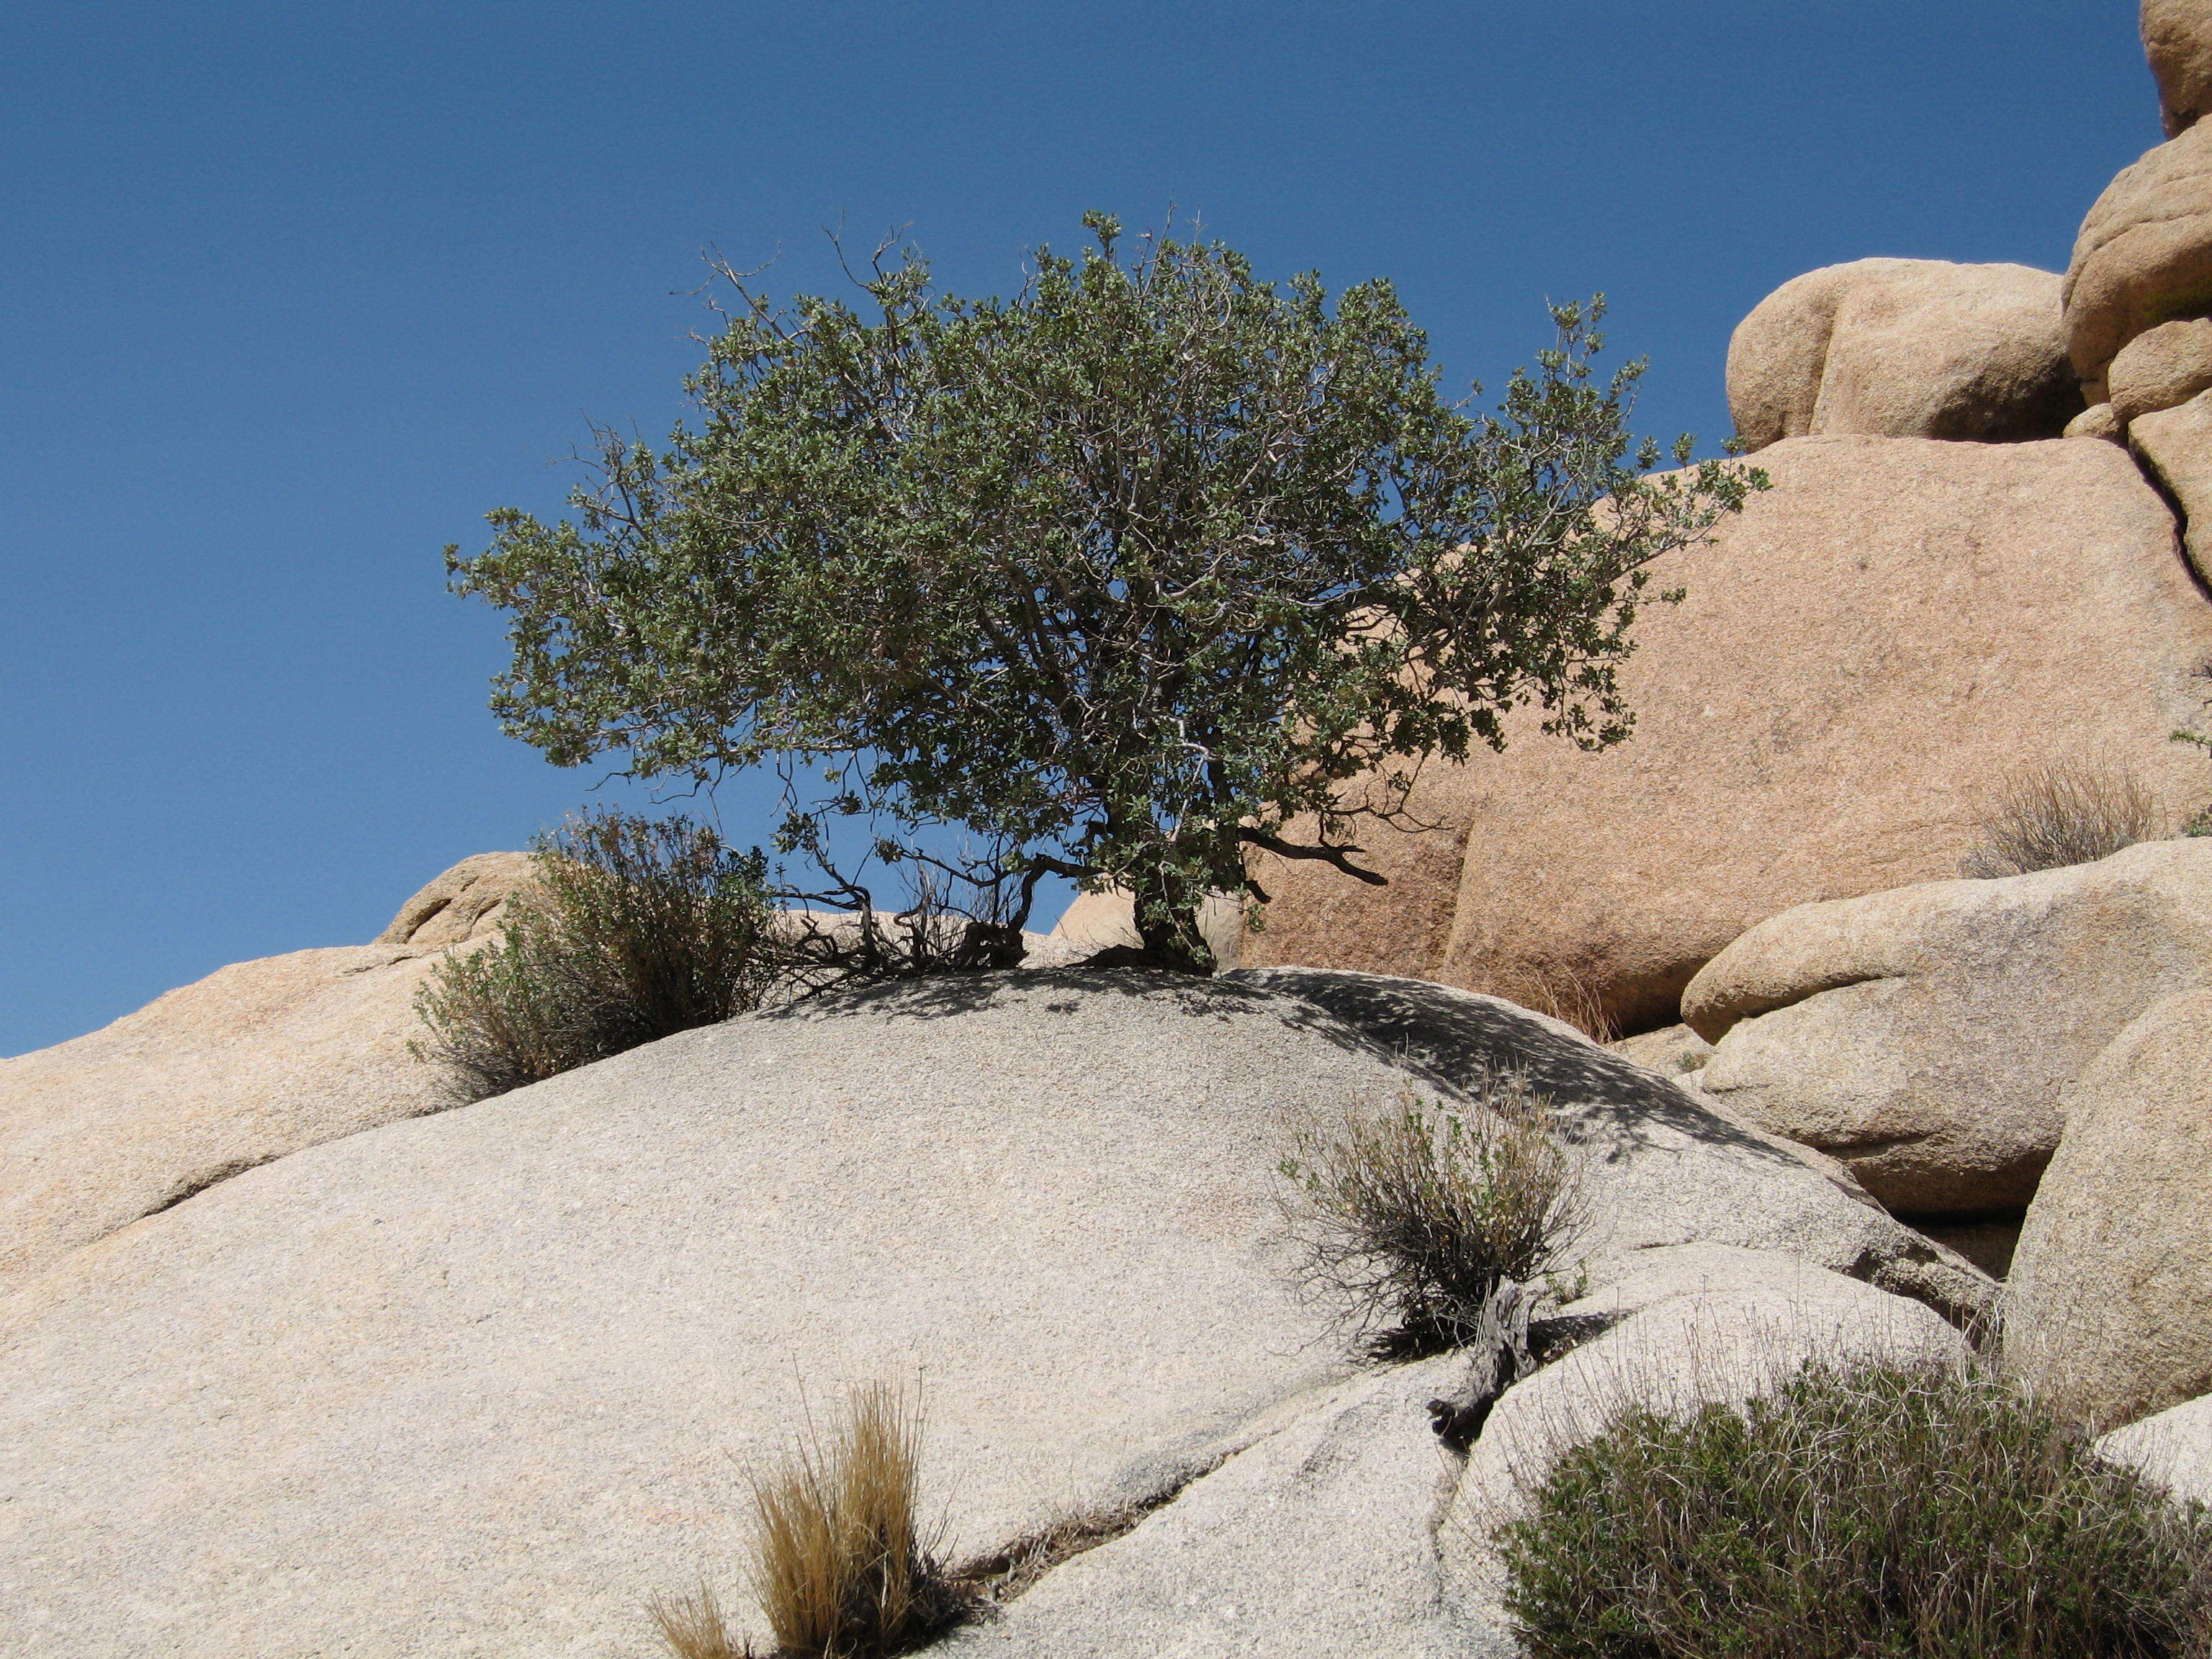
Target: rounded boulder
point(1905, 348)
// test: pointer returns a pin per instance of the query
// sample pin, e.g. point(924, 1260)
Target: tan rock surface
point(2177, 36)
point(472, 1384)
point(467, 902)
point(2111, 1292)
point(2175, 447)
point(2097, 422)
point(2174, 1448)
point(1891, 628)
point(258, 1059)
point(2161, 368)
point(1103, 920)
point(1926, 1036)
point(1905, 348)
point(2144, 253)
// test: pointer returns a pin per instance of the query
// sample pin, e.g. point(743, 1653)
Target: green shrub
point(1413, 1219)
point(641, 929)
point(2044, 817)
point(1866, 1513)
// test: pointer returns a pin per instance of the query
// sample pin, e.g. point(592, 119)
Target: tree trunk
point(1167, 922)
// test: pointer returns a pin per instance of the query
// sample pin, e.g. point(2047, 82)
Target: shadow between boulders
point(938, 996)
point(1454, 1039)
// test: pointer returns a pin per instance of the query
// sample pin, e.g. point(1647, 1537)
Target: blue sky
point(290, 295)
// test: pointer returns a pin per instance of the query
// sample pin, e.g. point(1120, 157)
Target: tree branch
point(1336, 857)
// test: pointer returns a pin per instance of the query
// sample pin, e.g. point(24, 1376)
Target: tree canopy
point(1149, 565)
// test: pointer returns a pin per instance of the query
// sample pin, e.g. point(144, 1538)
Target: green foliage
point(1857, 1514)
point(639, 930)
point(1412, 1219)
point(1124, 573)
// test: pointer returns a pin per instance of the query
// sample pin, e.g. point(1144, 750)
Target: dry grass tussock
point(1413, 1220)
point(1563, 992)
point(2048, 816)
point(1866, 1512)
point(643, 928)
point(842, 1567)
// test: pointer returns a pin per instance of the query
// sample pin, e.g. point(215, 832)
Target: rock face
point(1891, 629)
point(256, 1061)
point(495, 1362)
point(2174, 1448)
point(2111, 1300)
point(2175, 447)
point(2143, 256)
point(467, 902)
point(1101, 922)
point(2177, 36)
point(2161, 368)
point(1926, 1036)
point(1905, 348)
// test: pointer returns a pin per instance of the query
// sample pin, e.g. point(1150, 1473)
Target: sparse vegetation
point(641, 929)
point(1864, 1513)
point(1415, 1219)
point(2048, 816)
point(843, 1567)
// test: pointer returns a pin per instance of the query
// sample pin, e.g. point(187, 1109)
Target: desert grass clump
point(639, 929)
point(843, 1567)
point(1413, 1220)
point(2048, 816)
point(1861, 1512)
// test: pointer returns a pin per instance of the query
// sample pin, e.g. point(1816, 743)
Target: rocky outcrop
point(498, 1362)
point(1926, 1036)
point(1893, 629)
point(2175, 448)
point(2177, 37)
point(2143, 256)
point(1905, 348)
point(2161, 367)
point(258, 1059)
point(2111, 1295)
point(1107, 921)
point(465, 903)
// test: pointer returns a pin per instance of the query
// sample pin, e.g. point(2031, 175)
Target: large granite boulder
point(473, 1383)
point(2177, 37)
point(1891, 630)
point(258, 1059)
point(2109, 1302)
point(1926, 1036)
point(2175, 448)
point(1905, 348)
point(2143, 256)
point(2161, 369)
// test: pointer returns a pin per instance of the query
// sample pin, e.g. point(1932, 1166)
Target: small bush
point(1415, 1219)
point(1861, 1514)
point(842, 1569)
point(2044, 817)
point(641, 929)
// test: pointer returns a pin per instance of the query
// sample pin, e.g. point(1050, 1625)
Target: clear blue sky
point(291, 294)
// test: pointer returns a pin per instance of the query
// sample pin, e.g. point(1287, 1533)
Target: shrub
point(641, 929)
point(842, 1569)
point(2045, 817)
point(692, 1626)
point(1865, 1513)
point(1414, 1219)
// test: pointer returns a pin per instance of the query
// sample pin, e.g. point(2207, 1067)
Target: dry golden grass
point(1564, 992)
point(841, 1568)
point(692, 1627)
